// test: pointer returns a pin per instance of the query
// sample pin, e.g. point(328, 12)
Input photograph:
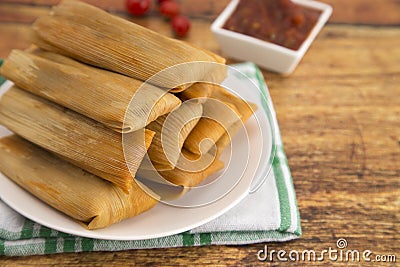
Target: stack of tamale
point(92, 104)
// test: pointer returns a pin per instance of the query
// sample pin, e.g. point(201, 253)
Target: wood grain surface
point(339, 115)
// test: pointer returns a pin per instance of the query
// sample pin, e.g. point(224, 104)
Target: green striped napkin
point(269, 214)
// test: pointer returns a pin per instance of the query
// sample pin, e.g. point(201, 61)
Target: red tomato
point(169, 8)
point(138, 7)
point(180, 25)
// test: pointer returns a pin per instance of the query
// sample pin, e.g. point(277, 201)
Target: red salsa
point(277, 21)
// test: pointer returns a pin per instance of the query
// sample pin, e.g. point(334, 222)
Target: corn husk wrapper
point(78, 139)
point(96, 37)
point(174, 184)
point(224, 115)
point(245, 109)
point(218, 117)
point(225, 139)
point(200, 91)
point(98, 94)
point(93, 202)
point(185, 175)
point(222, 94)
point(171, 131)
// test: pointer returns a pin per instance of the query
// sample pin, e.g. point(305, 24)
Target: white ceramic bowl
point(265, 54)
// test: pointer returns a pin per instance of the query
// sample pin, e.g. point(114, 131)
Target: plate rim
point(82, 232)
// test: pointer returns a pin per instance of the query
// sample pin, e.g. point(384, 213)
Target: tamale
point(225, 139)
point(185, 175)
point(223, 116)
point(218, 117)
point(181, 177)
point(190, 171)
point(191, 179)
point(222, 94)
point(246, 109)
point(91, 35)
point(76, 138)
point(200, 91)
point(171, 130)
point(98, 94)
point(91, 201)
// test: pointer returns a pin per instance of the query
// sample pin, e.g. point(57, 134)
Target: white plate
point(164, 219)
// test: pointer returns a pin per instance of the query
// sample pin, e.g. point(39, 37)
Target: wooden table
point(339, 115)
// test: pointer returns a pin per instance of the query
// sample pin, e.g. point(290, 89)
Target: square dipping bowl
point(267, 55)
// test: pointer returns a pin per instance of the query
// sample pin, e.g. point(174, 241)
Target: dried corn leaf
point(217, 118)
point(200, 91)
point(224, 141)
point(98, 94)
point(82, 141)
point(185, 175)
point(245, 109)
point(173, 184)
point(171, 131)
point(91, 201)
point(223, 117)
point(96, 37)
point(241, 105)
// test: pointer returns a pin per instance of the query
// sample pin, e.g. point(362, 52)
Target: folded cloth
point(269, 214)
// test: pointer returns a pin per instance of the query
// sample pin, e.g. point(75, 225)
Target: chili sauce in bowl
point(274, 34)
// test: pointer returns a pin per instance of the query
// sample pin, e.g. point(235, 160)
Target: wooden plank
point(382, 12)
point(371, 12)
point(339, 118)
point(205, 9)
point(13, 36)
point(351, 50)
point(116, 5)
point(21, 13)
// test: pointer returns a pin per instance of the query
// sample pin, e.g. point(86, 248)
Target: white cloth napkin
point(269, 214)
